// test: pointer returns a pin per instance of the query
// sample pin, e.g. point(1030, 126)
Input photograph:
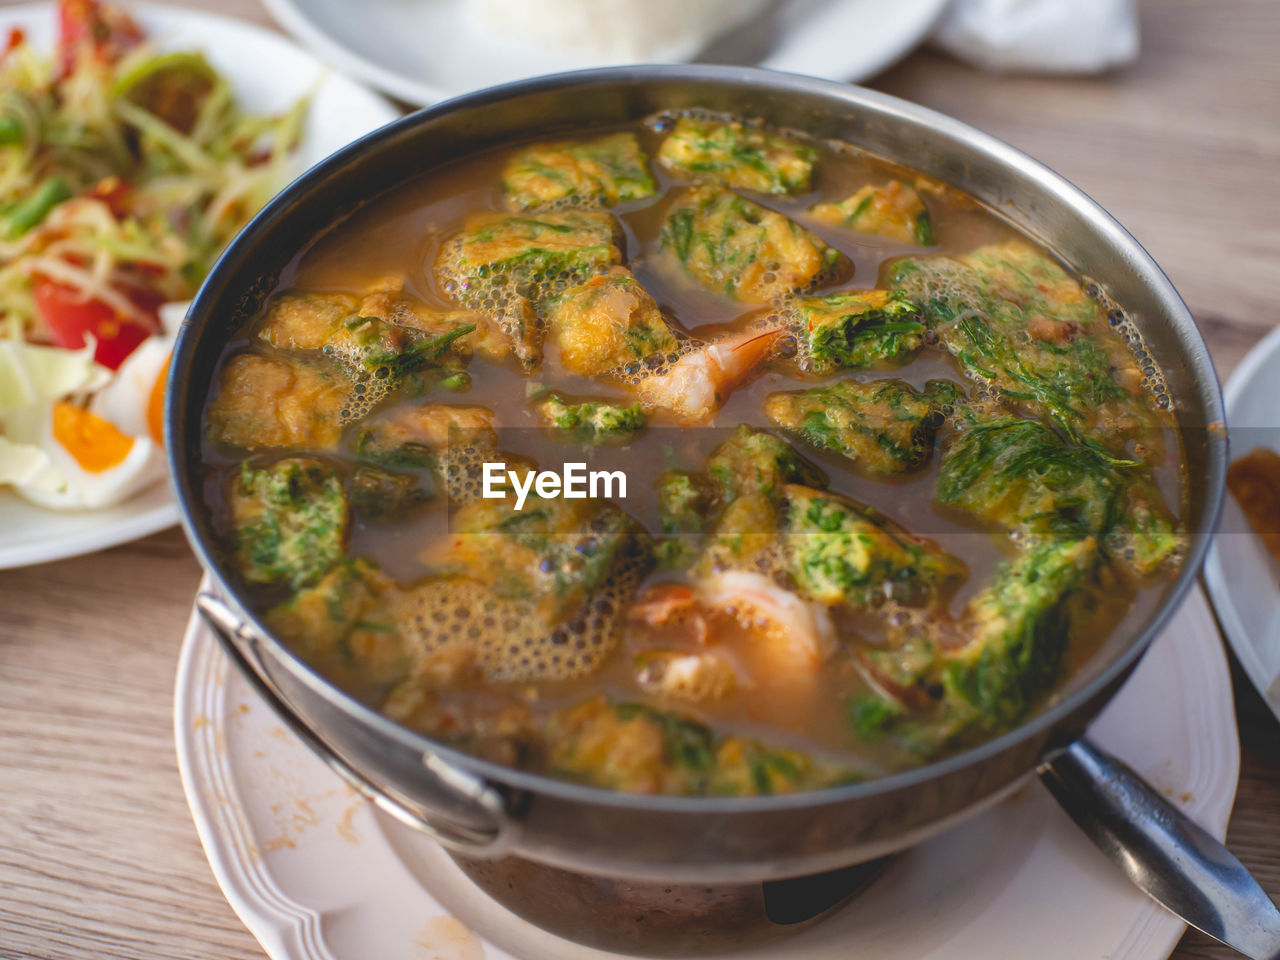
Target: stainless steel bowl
point(482, 810)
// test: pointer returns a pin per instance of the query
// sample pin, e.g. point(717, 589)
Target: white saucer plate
point(422, 51)
point(1243, 578)
point(269, 73)
point(316, 874)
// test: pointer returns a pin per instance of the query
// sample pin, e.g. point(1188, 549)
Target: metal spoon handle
point(1164, 852)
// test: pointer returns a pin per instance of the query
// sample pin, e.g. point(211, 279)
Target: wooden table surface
point(98, 855)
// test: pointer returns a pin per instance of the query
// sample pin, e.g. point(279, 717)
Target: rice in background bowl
point(597, 32)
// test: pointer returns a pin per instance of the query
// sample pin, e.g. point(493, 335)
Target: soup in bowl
point(692, 455)
point(688, 474)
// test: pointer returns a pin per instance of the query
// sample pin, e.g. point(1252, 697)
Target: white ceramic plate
point(316, 874)
point(423, 50)
point(269, 73)
point(1241, 575)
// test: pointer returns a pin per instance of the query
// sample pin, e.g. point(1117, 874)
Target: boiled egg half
point(97, 454)
point(92, 463)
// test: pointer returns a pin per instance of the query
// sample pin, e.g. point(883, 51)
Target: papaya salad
point(124, 171)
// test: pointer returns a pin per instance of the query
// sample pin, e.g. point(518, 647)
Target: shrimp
point(787, 639)
point(696, 385)
point(794, 636)
point(666, 603)
point(685, 676)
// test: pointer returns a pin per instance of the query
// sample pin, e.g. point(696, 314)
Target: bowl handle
point(1175, 861)
point(460, 791)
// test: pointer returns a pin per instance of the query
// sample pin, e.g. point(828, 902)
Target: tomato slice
point(113, 192)
point(69, 317)
point(17, 37)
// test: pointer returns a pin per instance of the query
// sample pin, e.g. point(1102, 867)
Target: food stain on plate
point(346, 825)
point(292, 818)
point(445, 938)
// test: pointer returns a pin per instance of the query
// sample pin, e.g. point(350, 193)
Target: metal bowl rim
point(997, 150)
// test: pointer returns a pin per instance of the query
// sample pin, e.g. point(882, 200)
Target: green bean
point(32, 210)
point(11, 130)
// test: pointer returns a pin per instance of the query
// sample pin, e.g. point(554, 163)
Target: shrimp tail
point(738, 357)
point(698, 384)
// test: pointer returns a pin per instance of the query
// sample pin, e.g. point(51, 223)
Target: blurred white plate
point(269, 73)
point(424, 50)
point(1243, 578)
point(316, 874)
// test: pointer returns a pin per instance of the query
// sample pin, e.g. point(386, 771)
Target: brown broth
point(400, 232)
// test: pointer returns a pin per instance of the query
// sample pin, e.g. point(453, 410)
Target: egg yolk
point(155, 404)
point(96, 444)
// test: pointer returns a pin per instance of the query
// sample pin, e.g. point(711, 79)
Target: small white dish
point(269, 73)
point(1243, 578)
point(316, 874)
point(422, 51)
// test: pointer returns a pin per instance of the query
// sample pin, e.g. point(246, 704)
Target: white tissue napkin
point(1042, 36)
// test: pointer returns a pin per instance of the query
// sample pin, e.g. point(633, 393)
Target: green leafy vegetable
point(868, 328)
point(602, 172)
point(1017, 320)
point(1018, 628)
point(883, 425)
point(593, 422)
point(290, 519)
point(840, 551)
point(752, 461)
point(735, 155)
point(893, 210)
point(742, 250)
